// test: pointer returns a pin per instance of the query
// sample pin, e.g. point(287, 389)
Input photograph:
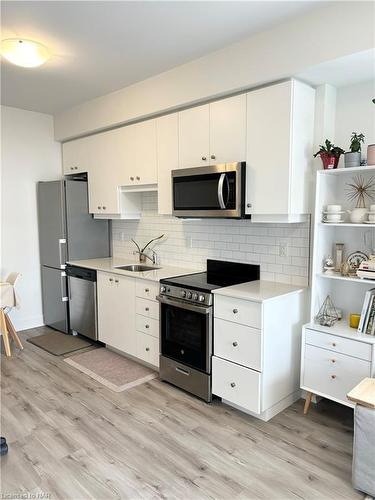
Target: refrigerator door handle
point(64, 298)
point(62, 241)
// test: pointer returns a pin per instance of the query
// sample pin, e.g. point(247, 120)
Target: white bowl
point(333, 208)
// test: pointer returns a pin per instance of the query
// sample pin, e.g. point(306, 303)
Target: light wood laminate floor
point(72, 438)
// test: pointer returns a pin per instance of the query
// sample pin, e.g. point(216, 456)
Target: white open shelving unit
point(347, 293)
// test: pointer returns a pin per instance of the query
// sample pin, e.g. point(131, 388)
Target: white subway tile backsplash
point(188, 243)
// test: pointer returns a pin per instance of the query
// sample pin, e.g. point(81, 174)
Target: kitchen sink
point(137, 268)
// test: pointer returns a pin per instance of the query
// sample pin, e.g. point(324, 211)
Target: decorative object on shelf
point(345, 269)
point(353, 157)
point(371, 154)
point(356, 258)
point(371, 215)
point(329, 154)
point(368, 306)
point(369, 239)
point(332, 214)
point(366, 269)
point(354, 320)
point(360, 191)
point(327, 314)
point(339, 256)
point(328, 266)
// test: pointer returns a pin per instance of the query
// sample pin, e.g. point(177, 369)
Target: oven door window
point(184, 335)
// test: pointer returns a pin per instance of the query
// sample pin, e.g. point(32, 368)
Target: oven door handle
point(220, 194)
point(184, 305)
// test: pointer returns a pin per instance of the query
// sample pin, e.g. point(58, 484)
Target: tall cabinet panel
point(228, 130)
point(145, 153)
point(194, 137)
point(167, 147)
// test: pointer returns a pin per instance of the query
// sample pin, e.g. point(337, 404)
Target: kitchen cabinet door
point(167, 148)
point(228, 130)
point(116, 312)
point(76, 156)
point(103, 177)
point(194, 137)
point(268, 149)
point(145, 153)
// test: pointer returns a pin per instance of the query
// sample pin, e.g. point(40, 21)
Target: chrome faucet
point(141, 251)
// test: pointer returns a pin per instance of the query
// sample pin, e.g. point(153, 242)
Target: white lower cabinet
point(126, 320)
point(236, 384)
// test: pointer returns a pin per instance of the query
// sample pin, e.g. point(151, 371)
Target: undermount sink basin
point(137, 268)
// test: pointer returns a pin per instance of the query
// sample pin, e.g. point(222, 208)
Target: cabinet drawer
point(148, 308)
point(147, 325)
point(236, 384)
point(239, 343)
point(238, 310)
point(339, 344)
point(332, 373)
point(148, 349)
point(147, 289)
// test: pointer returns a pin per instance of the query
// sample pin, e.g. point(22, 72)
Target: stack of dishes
point(371, 215)
point(333, 214)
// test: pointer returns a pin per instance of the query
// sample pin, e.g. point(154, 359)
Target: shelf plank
point(342, 329)
point(350, 170)
point(346, 278)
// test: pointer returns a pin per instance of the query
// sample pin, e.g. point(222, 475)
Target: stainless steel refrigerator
point(66, 232)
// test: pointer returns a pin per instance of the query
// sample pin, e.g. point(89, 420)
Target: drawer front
point(236, 384)
point(339, 344)
point(238, 343)
point(147, 325)
point(147, 289)
point(240, 311)
point(332, 373)
point(148, 349)
point(148, 308)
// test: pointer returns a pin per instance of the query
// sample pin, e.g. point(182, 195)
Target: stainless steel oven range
point(186, 323)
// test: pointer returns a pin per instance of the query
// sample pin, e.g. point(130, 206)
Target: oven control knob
point(195, 296)
point(189, 295)
point(183, 293)
point(202, 298)
point(163, 289)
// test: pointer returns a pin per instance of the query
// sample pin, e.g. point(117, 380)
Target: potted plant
point(353, 157)
point(330, 154)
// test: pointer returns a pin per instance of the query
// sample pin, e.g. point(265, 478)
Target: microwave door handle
point(220, 194)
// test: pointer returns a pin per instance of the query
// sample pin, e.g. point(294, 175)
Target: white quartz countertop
point(258, 291)
point(110, 265)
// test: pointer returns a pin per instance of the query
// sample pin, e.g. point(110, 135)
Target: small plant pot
point(352, 160)
point(329, 161)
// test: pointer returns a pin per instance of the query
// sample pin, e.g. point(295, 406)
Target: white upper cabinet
point(280, 120)
point(228, 130)
point(194, 137)
point(77, 156)
point(167, 148)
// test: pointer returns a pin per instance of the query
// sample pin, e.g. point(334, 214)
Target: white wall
point(284, 51)
point(355, 112)
point(29, 154)
point(190, 243)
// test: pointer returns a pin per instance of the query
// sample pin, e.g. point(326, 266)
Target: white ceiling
point(102, 46)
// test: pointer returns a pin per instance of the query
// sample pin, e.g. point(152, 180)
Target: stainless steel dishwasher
point(82, 301)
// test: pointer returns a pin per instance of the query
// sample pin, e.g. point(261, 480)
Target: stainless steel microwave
point(214, 191)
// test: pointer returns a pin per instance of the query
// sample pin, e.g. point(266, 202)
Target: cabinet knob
point(116, 281)
point(147, 290)
point(131, 178)
point(333, 376)
point(99, 208)
point(213, 157)
point(75, 168)
point(110, 279)
point(235, 311)
point(104, 207)
point(334, 344)
point(249, 205)
point(147, 349)
point(233, 384)
point(235, 344)
point(71, 168)
point(333, 360)
point(204, 158)
point(138, 178)
point(147, 309)
point(147, 326)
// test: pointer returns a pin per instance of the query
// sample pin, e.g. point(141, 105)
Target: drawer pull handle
point(235, 344)
point(334, 344)
point(235, 311)
point(147, 349)
point(147, 326)
point(333, 376)
point(233, 384)
point(180, 370)
point(147, 290)
point(147, 308)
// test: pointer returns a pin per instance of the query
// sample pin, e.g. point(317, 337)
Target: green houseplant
point(329, 154)
point(353, 157)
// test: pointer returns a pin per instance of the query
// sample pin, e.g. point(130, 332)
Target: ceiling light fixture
point(26, 53)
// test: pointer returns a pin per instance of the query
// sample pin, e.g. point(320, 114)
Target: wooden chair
point(6, 324)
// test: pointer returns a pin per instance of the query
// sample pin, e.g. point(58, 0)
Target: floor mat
point(58, 343)
point(110, 369)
